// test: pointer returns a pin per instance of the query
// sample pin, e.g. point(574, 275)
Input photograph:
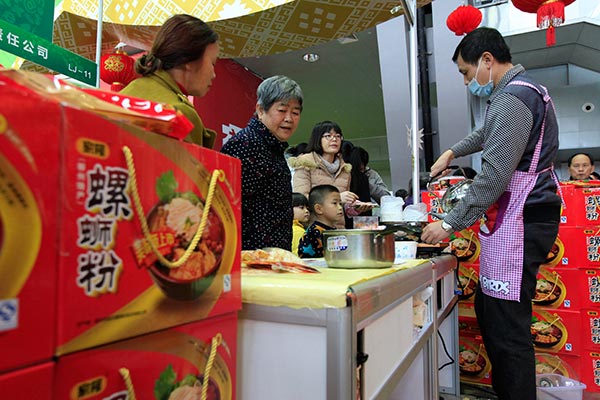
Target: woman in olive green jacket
point(180, 64)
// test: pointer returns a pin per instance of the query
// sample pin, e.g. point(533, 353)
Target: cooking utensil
point(452, 195)
point(359, 248)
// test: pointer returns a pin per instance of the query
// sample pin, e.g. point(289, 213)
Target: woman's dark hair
point(298, 199)
point(346, 150)
point(321, 128)
point(359, 182)
point(364, 156)
point(295, 151)
point(401, 193)
point(480, 40)
point(180, 40)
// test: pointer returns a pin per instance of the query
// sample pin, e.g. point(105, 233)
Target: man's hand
point(433, 233)
point(442, 163)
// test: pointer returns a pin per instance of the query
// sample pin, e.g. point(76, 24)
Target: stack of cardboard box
point(87, 309)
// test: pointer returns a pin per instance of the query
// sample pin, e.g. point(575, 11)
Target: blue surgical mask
point(481, 90)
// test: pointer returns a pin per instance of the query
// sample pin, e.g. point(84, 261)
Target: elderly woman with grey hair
point(267, 213)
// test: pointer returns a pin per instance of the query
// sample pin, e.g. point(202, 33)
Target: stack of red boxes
point(87, 309)
point(579, 275)
point(474, 365)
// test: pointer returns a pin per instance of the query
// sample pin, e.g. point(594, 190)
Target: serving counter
point(347, 334)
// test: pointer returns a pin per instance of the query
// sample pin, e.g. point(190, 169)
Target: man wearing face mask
point(519, 141)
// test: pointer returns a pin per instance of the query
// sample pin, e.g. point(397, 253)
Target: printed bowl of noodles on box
point(190, 255)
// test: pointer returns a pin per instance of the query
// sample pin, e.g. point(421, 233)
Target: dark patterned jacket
point(267, 212)
point(311, 244)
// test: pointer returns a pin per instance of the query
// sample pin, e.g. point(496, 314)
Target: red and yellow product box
point(443, 183)
point(591, 294)
point(590, 329)
point(556, 331)
point(590, 370)
point(563, 288)
point(473, 362)
point(567, 365)
point(556, 253)
point(432, 200)
point(465, 244)
point(169, 364)
point(29, 190)
point(581, 246)
point(34, 382)
point(567, 288)
point(466, 314)
point(133, 255)
point(468, 278)
point(582, 203)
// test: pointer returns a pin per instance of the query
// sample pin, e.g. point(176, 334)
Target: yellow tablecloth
point(323, 290)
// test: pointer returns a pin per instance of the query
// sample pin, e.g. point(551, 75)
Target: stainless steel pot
point(359, 248)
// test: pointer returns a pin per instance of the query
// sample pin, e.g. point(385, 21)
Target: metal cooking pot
point(359, 248)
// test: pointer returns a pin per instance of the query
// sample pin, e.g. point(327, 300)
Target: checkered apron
point(501, 254)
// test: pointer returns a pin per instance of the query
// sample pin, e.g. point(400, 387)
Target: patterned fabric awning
point(246, 28)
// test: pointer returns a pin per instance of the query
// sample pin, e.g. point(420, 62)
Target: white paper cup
point(405, 250)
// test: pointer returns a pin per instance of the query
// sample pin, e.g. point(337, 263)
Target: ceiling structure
point(576, 44)
point(246, 28)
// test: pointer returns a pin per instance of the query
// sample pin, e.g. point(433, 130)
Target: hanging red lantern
point(464, 19)
point(117, 69)
point(550, 14)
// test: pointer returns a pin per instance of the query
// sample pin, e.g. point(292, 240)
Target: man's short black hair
point(480, 40)
point(318, 194)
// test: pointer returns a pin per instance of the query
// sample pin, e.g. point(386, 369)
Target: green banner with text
point(26, 45)
point(35, 16)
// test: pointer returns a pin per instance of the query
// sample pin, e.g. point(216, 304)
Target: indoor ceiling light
point(348, 39)
point(310, 57)
point(396, 10)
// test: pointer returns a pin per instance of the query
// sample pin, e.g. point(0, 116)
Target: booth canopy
point(247, 28)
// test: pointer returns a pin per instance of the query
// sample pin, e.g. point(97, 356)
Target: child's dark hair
point(318, 193)
point(298, 199)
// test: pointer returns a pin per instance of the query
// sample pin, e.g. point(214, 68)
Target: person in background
point(519, 141)
point(581, 166)
point(295, 151)
point(423, 180)
point(325, 204)
point(267, 214)
point(359, 184)
point(301, 215)
point(403, 193)
point(180, 64)
point(323, 164)
point(377, 186)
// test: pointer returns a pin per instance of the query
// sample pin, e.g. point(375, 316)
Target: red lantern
point(550, 14)
point(464, 19)
point(117, 69)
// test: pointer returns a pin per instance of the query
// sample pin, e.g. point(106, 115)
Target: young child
point(326, 206)
point(301, 214)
